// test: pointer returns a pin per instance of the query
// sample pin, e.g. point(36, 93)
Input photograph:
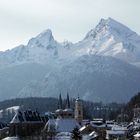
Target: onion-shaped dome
point(59, 111)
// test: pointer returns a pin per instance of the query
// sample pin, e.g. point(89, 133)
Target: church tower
point(60, 104)
point(67, 101)
point(78, 110)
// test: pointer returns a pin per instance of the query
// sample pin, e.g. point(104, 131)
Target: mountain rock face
point(104, 66)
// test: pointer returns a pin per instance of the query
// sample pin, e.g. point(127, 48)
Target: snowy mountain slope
point(94, 77)
point(110, 53)
point(40, 49)
point(111, 38)
point(14, 78)
point(37, 50)
point(108, 38)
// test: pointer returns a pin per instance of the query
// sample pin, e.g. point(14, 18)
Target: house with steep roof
point(27, 123)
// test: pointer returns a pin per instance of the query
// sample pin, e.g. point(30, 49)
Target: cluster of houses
point(67, 123)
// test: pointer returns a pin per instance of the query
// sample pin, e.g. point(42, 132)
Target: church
point(67, 118)
point(27, 123)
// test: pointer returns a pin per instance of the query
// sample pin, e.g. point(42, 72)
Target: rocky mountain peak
point(47, 34)
point(109, 26)
point(44, 39)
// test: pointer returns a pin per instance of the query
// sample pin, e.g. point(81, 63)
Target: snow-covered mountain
point(108, 38)
point(111, 38)
point(102, 64)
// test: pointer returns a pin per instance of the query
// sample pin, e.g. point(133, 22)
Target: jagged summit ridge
point(44, 39)
point(108, 38)
point(111, 38)
point(112, 26)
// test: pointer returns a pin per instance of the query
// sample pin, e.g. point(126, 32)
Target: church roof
point(66, 125)
point(26, 116)
point(62, 125)
point(68, 110)
point(59, 111)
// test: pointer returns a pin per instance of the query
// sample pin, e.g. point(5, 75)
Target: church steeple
point(60, 104)
point(68, 101)
point(78, 110)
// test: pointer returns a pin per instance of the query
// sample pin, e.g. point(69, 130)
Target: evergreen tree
point(76, 134)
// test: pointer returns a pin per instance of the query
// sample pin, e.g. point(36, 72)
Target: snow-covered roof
point(59, 110)
point(93, 134)
point(11, 138)
point(68, 110)
point(26, 116)
point(98, 124)
point(137, 135)
point(64, 134)
point(113, 132)
point(119, 128)
point(66, 125)
point(15, 119)
point(62, 124)
point(13, 109)
point(82, 128)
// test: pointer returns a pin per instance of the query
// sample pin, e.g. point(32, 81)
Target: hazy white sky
point(68, 19)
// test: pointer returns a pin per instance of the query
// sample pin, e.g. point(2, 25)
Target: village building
point(117, 132)
point(87, 132)
point(100, 127)
point(86, 129)
point(27, 123)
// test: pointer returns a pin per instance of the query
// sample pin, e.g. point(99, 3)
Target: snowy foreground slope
point(104, 64)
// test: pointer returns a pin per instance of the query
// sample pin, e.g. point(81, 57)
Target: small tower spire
point(68, 101)
point(60, 105)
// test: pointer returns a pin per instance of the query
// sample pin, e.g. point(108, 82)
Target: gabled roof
point(26, 116)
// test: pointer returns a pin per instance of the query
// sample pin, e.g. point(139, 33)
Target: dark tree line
point(45, 104)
